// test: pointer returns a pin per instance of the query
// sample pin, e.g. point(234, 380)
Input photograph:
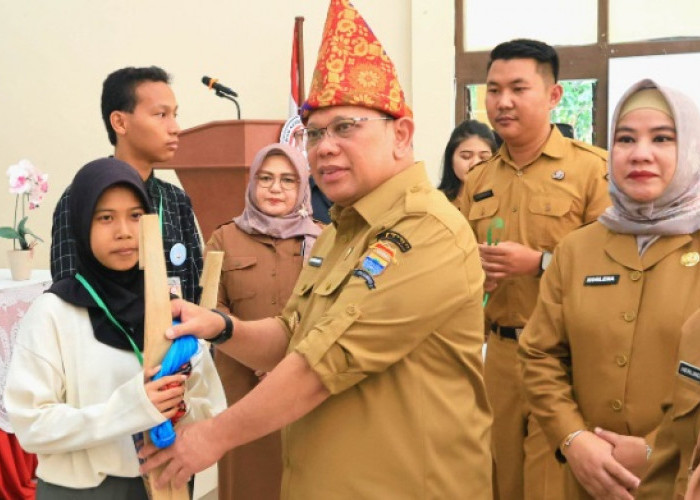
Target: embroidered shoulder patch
point(369, 280)
point(601, 279)
point(380, 255)
point(689, 371)
point(395, 238)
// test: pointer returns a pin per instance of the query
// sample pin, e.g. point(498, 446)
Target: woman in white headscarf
point(597, 355)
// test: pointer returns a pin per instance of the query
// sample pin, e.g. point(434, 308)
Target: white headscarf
point(677, 210)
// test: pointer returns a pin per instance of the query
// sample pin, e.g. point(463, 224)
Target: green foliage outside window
point(576, 108)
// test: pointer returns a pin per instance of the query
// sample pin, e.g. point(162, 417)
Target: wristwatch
point(226, 333)
point(544, 261)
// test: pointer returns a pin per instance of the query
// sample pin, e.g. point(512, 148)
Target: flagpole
point(299, 28)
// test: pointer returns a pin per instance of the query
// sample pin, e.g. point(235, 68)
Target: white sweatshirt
point(76, 402)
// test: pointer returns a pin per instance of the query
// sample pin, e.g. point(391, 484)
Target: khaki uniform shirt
point(258, 271)
point(258, 274)
point(677, 450)
point(387, 312)
point(600, 347)
point(562, 189)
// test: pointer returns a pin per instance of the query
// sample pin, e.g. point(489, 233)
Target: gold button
point(350, 310)
point(519, 173)
point(328, 286)
point(415, 189)
point(621, 360)
point(629, 316)
point(514, 209)
point(635, 275)
point(616, 405)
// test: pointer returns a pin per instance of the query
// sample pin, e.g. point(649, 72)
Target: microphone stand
point(225, 96)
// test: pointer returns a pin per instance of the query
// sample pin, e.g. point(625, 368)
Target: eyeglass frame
point(276, 179)
point(301, 135)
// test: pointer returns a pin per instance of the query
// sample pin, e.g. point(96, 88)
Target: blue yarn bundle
point(180, 352)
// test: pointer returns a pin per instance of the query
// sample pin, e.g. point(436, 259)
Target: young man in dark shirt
point(140, 113)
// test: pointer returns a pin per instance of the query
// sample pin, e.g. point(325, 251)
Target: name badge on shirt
point(601, 280)
point(315, 261)
point(483, 195)
point(689, 371)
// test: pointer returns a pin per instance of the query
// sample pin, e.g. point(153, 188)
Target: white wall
point(54, 56)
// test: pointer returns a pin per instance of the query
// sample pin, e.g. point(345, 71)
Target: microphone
point(212, 84)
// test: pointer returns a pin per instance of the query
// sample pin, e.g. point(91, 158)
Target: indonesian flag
point(295, 98)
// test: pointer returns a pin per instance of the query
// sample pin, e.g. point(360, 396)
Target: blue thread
point(179, 353)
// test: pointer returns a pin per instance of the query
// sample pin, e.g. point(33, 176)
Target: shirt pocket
point(686, 397)
point(331, 284)
point(480, 216)
point(550, 220)
point(238, 276)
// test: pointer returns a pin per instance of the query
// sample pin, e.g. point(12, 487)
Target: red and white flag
point(297, 85)
point(294, 76)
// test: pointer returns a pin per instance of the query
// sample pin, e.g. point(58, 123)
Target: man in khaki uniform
point(541, 186)
point(375, 370)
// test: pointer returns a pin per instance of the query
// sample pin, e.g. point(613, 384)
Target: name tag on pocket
point(689, 371)
point(601, 280)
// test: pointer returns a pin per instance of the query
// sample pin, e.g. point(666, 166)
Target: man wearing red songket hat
point(375, 362)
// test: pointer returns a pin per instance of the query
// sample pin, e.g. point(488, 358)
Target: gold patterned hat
point(352, 67)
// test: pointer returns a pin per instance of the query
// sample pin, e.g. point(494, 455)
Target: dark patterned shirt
point(178, 228)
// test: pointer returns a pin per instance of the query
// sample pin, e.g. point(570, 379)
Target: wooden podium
point(212, 163)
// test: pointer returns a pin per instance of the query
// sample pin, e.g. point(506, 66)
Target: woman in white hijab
point(597, 355)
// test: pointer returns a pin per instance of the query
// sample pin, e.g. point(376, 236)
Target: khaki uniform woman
point(264, 249)
point(598, 353)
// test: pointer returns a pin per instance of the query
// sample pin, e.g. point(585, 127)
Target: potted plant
point(29, 185)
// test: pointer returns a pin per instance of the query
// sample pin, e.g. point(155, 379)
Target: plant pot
point(20, 263)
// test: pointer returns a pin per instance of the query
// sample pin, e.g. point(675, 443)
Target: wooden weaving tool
point(158, 318)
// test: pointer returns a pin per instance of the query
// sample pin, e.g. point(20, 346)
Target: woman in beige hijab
point(597, 355)
point(264, 250)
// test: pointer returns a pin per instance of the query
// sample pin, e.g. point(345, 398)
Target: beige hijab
point(298, 223)
point(677, 210)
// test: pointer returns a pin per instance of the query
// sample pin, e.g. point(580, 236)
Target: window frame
point(576, 62)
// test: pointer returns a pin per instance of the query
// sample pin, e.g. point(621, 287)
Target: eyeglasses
point(287, 182)
point(343, 128)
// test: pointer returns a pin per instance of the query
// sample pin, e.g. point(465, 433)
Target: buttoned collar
point(373, 206)
point(554, 147)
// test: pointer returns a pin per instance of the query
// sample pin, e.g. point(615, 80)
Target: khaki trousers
point(524, 463)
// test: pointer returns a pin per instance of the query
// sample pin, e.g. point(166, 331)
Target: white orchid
point(27, 182)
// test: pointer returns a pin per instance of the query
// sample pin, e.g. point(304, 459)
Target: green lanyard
point(100, 303)
point(160, 209)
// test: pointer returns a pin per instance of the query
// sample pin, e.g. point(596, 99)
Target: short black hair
point(450, 183)
point(523, 48)
point(119, 91)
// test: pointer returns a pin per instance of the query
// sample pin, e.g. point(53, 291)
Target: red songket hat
point(352, 67)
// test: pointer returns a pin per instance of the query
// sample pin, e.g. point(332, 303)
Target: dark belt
point(507, 332)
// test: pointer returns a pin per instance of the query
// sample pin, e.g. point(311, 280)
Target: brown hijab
point(677, 210)
point(297, 223)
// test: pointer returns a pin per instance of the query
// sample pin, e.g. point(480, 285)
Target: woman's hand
point(165, 399)
point(592, 462)
point(630, 451)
